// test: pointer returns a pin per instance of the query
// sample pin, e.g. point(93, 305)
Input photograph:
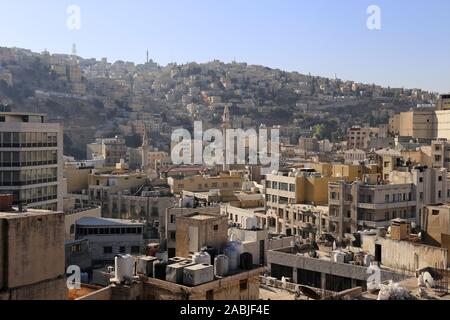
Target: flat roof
point(203, 217)
point(97, 222)
point(23, 114)
point(28, 213)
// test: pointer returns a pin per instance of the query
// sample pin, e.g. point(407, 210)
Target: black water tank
point(246, 261)
point(159, 270)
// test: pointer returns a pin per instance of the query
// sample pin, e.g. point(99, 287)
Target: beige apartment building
point(283, 190)
point(111, 149)
point(443, 102)
point(31, 160)
point(198, 230)
point(359, 206)
point(360, 137)
point(436, 225)
point(104, 183)
point(201, 183)
point(372, 204)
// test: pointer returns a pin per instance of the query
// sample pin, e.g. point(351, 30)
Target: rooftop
point(28, 213)
point(202, 217)
point(94, 221)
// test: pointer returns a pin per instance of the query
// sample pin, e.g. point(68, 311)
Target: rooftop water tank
point(159, 270)
point(202, 258)
point(246, 261)
point(338, 256)
point(124, 265)
point(221, 265)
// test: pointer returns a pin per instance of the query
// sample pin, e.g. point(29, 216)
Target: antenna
point(74, 49)
point(147, 55)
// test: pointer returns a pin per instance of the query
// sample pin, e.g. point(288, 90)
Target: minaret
point(225, 126)
point(144, 150)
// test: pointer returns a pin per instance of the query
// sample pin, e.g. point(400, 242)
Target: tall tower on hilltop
point(225, 126)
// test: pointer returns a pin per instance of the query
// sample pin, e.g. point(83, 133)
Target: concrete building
point(440, 154)
point(149, 207)
point(430, 185)
point(240, 285)
point(109, 237)
point(354, 155)
point(198, 230)
point(104, 183)
point(405, 252)
point(72, 215)
point(205, 183)
point(283, 190)
point(112, 150)
point(78, 253)
point(360, 137)
point(246, 205)
point(443, 102)
point(168, 240)
point(418, 123)
point(324, 268)
point(359, 205)
point(31, 160)
point(32, 251)
point(436, 225)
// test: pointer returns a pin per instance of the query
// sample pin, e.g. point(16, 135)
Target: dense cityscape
point(218, 180)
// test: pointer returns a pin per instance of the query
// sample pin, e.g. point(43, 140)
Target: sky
point(322, 37)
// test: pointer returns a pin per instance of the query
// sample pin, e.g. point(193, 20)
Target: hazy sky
point(320, 37)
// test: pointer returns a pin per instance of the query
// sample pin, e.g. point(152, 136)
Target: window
point(216, 227)
point(172, 218)
point(283, 186)
point(135, 249)
point(76, 248)
point(122, 250)
point(72, 229)
point(107, 250)
point(172, 235)
point(440, 178)
point(420, 179)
